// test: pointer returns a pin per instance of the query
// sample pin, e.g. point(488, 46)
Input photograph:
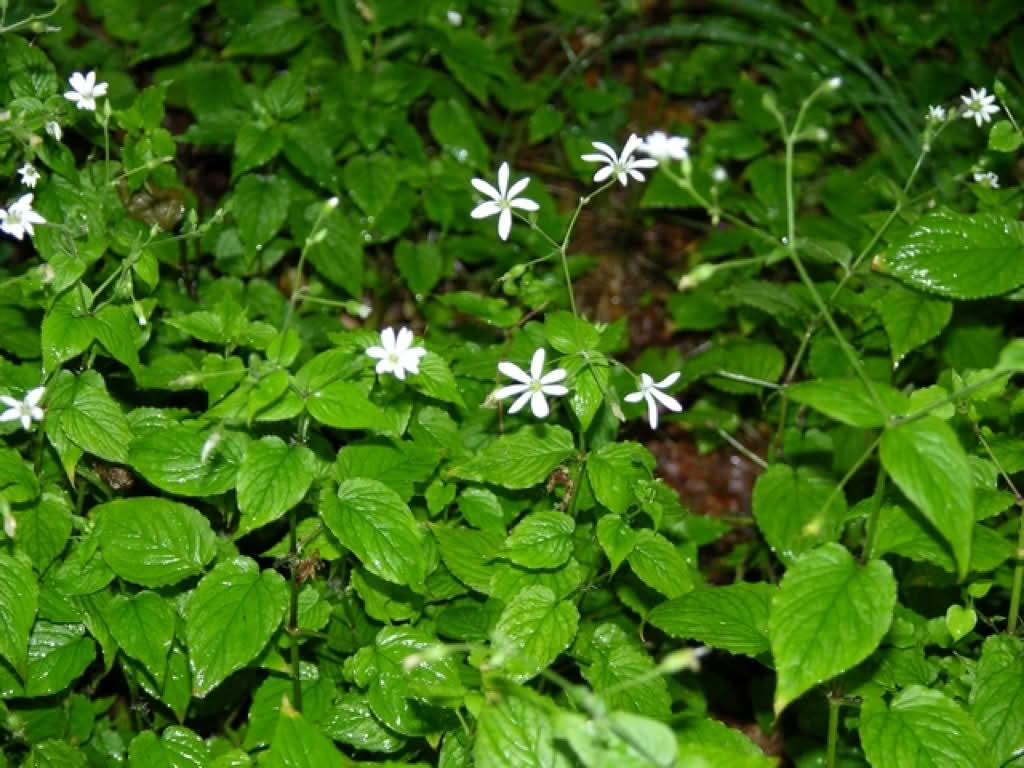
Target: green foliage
point(276, 491)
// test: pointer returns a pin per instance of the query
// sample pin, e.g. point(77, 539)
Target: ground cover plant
point(511, 383)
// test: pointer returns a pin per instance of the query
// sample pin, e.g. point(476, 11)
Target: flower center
point(535, 385)
point(394, 358)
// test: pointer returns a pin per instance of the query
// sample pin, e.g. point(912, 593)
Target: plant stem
point(833, 731)
point(293, 611)
point(876, 509)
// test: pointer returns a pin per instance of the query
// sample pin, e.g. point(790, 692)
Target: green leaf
point(372, 181)
point(343, 405)
point(997, 698)
point(828, 616)
point(790, 509)
point(339, 256)
point(622, 673)
point(373, 522)
point(298, 743)
point(754, 359)
point(177, 748)
point(616, 538)
point(255, 145)
point(44, 528)
point(19, 599)
point(848, 400)
point(143, 626)
point(540, 540)
point(273, 478)
point(420, 264)
point(152, 541)
point(519, 460)
point(80, 410)
point(912, 318)
point(54, 754)
point(273, 29)
point(926, 461)
point(399, 464)
point(452, 125)
point(1004, 137)
point(172, 460)
point(921, 727)
point(436, 380)
point(659, 564)
point(57, 655)
point(613, 470)
point(65, 334)
point(18, 482)
point(353, 722)
point(569, 334)
point(733, 618)
point(962, 256)
point(260, 206)
point(533, 630)
point(116, 328)
point(515, 731)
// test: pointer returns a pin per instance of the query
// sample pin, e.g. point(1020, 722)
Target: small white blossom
point(532, 386)
point(662, 147)
point(396, 355)
point(650, 390)
point(29, 175)
point(623, 166)
point(26, 411)
point(53, 128)
point(719, 175)
point(936, 114)
point(979, 105)
point(834, 83)
point(332, 202)
point(85, 90)
point(503, 200)
point(987, 179)
point(363, 311)
point(455, 18)
point(20, 218)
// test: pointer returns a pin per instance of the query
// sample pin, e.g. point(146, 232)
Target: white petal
point(644, 162)
point(387, 339)
point(667, 400)
point(410, 362)
point(77, 81)
point(539, 405)
point(622, 178)
point(524, 204)
point(74, 96)
point(404, 340)
point(652, 412)
point(376, 352)
point(523, 400)
point(603, 173)
point(634, 397)
point(503, 179)
point(632, 143)
point(511, 389)
point(636, 175)
point(484, 188)
point(37, 413)
point(26, 420)
point(645, 381)
point(555, 390)
point(513, 371)
point(537, 364)
point(554, 376)
point(668, 381)
point(385, 366)
point(597, 159)
point(399, 372)
point(10, 402)
point(10, 414)
point(90, 80)
point(34, 396)
point(485, 209)
point(600, 146)
point(504, 223)
point(518, 187)
point(100, 90)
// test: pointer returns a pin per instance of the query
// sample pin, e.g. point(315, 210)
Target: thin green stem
point(310, 241)
point(747, 379)
point(293, 611)
point(833, 731)
point(28, 20)
point(876, 510)
point(742, 448)
point(850, 473)
point(959, 394)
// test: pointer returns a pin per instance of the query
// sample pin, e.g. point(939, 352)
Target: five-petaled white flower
point(662, 147)
point(503, 200)
point(396, 355)
point(979, 105)
point(85, 90)
point(650, 390)
point(533, 385)
point(53, 128)
point(20, 218)
point(936, 114)
point(623, 166)
point(29, 175)
point(27, 410)
point(987, 179)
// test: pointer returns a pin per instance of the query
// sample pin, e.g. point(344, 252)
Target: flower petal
point(600, 146)
point(484, 188)
point(652, 412)
point(555, 390)
point(34, 396)
point(667, 400)
point(26, 420)
point(10, 402)
point(503, 179)
point(485, 209)
point(597, 159)
point(518, 187)
point(537, 363)
point(554, 376)
point(520, 402)
point(513, 371)
point(539, 405)
point(504, 223)
point(404, 340)
point(511, 389)
point(634, 397)
point(524, 204)
point(387, 339)
point(10, 414)
point(632, 144)
point(603, 173)
point(668, 381)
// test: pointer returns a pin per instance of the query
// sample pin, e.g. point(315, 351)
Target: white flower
point(397, 355)
point(650, 390)
point(719, 175)
point(86, 90)
point(663, 147)
point(29, 175)
point(20, 218)
point(26, 410)
point(502, 201)
point(455, 18)
point(53, 128)
point(987, 179)
point(979, 105)
point(936, 114)
point(533, 385)
point(834, 83)
point(621, 166)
